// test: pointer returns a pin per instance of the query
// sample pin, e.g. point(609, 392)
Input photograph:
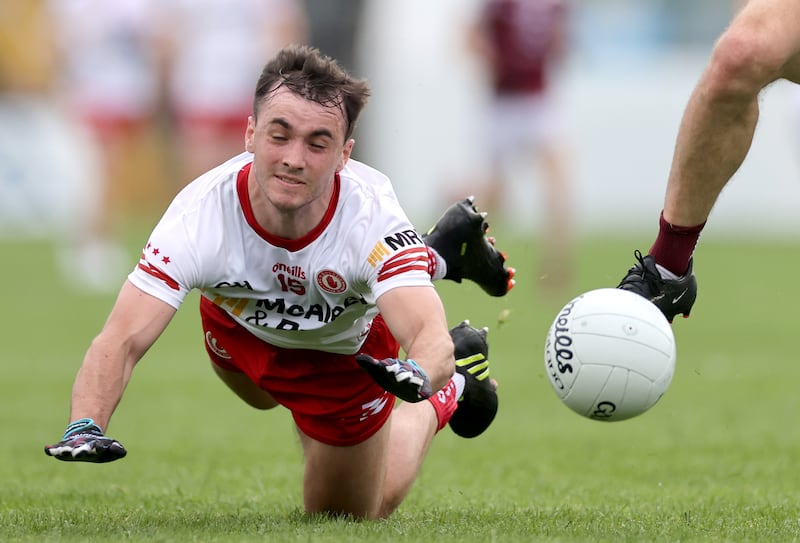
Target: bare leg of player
point(345, 480)
point(413, 428)
point(362, 480)
point(761, 46)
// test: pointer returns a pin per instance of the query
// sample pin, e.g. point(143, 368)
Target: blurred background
point(108, 108)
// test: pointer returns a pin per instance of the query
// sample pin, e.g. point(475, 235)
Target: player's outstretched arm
point(416, 318)
point(134, 324)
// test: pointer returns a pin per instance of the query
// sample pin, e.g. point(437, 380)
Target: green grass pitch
point(715, 460)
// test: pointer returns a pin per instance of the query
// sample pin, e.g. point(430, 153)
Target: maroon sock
point(674, 245)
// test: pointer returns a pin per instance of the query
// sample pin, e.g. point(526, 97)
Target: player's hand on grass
point(403, 378)
point(84, 441)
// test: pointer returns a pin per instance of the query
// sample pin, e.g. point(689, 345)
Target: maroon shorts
point(332, 399)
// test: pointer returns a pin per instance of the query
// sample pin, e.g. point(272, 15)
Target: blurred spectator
point(108, 80)
point(522, 42)
point(216, 49)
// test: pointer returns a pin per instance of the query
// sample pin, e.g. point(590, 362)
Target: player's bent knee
point(743, 62)
point(345, 481)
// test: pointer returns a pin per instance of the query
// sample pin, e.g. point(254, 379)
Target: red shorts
point(332, 399)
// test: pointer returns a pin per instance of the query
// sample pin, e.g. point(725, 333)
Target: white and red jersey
point(316, 292)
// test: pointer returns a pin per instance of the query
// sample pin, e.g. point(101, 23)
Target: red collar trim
point(288, 244)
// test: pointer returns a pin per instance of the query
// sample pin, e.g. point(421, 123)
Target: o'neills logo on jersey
point(296, 271)
point(332, 282)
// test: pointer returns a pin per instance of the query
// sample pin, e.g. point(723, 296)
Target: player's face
point(298, 146)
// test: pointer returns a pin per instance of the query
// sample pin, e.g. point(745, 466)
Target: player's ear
point(346, 150)
point(249, 134)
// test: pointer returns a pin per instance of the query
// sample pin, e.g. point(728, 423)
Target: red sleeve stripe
point(408, 260)
point(391, 273)
point(158, 274)
point(404, 257)
point(400, 262)
point(417, 254)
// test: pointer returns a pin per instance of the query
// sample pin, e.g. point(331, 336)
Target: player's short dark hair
point(305, 71)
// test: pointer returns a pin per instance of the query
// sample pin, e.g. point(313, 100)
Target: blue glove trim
point(82, 426)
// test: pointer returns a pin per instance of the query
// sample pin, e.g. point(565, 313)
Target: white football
point(610, 354)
